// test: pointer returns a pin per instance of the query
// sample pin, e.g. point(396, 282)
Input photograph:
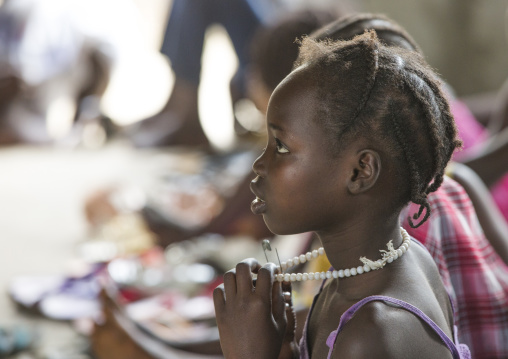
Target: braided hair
point(391, 95)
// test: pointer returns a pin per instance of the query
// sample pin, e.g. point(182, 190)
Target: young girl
point(356, 131)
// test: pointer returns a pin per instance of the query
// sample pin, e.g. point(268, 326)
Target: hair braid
point(414, 174)
point(371, 45)
point(435, 107)
point(423, 204)
point(442, 151)
point(419, 189)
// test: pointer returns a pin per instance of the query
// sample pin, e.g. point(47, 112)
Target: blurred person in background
point(56, 58)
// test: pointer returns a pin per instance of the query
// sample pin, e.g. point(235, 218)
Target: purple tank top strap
point(458, 352)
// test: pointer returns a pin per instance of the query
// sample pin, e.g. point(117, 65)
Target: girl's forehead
point(295, 107)
point(297, 86)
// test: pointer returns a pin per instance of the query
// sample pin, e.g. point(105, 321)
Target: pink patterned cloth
point(474, 275)
point(473, 133)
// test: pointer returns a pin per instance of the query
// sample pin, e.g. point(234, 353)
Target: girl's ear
point(367, 167)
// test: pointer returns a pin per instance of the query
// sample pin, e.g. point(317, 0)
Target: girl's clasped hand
point(255, 317)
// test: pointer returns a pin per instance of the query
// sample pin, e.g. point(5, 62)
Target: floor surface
point(42, 191)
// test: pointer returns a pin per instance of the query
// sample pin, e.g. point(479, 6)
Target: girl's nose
point(259, 165)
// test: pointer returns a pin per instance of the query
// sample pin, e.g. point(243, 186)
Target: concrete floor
point(42, 191)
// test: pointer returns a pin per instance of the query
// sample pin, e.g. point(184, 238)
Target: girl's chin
point(277, 229)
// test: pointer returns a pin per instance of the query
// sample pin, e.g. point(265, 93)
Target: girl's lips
point(258, 206)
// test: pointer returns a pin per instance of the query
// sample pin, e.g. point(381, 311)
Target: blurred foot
point(168, 129)
point(176, 125)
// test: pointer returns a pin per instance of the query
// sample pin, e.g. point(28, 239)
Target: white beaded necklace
point(387, 257)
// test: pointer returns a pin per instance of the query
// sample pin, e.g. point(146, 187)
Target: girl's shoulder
point(410, 318)
point(384, 329)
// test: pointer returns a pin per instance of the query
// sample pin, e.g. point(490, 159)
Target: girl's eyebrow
point(275, 127)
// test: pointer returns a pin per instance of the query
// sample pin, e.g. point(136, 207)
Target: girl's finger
point(244, 271)
point(253, 264)
point(230, 284)
point(278, 303)
point(219, 299)
point(265, 280)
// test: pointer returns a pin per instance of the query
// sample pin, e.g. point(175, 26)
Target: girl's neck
point(346, 245)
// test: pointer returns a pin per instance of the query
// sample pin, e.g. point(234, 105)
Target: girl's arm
point(252, 318)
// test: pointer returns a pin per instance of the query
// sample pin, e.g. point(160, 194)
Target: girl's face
point(300, 186)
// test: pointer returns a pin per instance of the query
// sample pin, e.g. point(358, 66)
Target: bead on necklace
point(387, 256)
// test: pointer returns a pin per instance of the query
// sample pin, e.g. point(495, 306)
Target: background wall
point(464, 40)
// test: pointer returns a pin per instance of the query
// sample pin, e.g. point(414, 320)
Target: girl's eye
point(280, 147)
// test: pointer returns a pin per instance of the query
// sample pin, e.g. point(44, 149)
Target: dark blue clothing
point(185, 31)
